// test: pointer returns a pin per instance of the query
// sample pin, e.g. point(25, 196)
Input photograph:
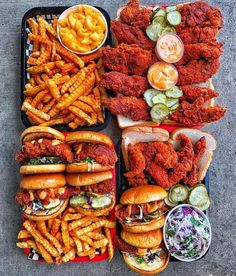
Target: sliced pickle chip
point(149, 94)
point(77, 200)
point(160, 98)
point(174, 92)
point(100, 202)
point(159, 112)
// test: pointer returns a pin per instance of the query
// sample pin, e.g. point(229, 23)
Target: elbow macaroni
point(83, 30)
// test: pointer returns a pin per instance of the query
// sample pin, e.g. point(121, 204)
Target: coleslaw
point(187, 233)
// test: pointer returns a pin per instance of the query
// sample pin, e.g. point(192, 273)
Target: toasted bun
point(143, 194)
point(86, 167)
point(133, 135)
point(93, 212)
point(84, 179)
point(90, 137)
point(57, 212)
point(144, 227)
point(37, 169)
point(151, 270)
point(195, 135)
point(143, 240)
point(43, 181)
point(36, 132)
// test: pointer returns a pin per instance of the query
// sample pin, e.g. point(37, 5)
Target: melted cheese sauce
point(162, 75)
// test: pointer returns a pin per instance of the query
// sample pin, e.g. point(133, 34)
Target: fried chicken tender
point(127, 59)
point(197, 71)
point(166, 156)
point(131, 35)
point(208, 51)
point(159, 175)
point(136, 160)
point(134, 15)
point(185, 160)
point(192, 93)
point(199, 149)
point(200, 14)
point(195, 113)
point(126, 85)
point(191, 35)
point(130, 107)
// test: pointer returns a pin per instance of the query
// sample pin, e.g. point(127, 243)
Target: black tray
point(122, 185)
point(48, 13)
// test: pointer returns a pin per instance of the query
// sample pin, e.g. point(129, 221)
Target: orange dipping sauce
point(162, 75)
point(169, 48)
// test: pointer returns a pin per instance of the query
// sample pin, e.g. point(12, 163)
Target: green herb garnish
point(89, 160)
point(46, 160)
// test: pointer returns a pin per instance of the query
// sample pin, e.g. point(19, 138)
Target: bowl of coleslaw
point(187, 233)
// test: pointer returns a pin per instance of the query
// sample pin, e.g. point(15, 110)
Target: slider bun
point(89, 137)
point(43, 181)
point(47, 168)
point(83, 179)
point(143, 194)
point(143, 240)
point(36, 132)
point(86, 167)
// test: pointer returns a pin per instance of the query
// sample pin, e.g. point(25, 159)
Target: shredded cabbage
point(187, 233)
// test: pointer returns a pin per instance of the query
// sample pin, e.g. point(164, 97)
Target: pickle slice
point(174, 92)
point(78, 200)
point(100, 202)
point(198, 196)
point(149, 94)
point(170, 203)
point(159, 112)
point(171, 101)
point(205, 206)
point(154, 30)
point(160, 19)
point(174, 107)
point(159, 12)
point(171, 8)
point(160, 98)
point(173, 18)
point(178, 193)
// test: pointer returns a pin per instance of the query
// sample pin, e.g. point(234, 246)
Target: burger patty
point(23, 197)
point(123, 246)
point(106, 186)
point(44, 148)
point(133, 209)
point(102, 154)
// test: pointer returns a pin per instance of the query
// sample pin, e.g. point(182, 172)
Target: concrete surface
point(221, 258)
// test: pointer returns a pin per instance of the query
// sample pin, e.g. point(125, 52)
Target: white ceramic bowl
point(184, 259)
point(74, 9)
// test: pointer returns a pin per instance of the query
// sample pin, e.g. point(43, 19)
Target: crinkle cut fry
point(34, 29)
point(39, 238)
point(62, 51)
point(86, 84)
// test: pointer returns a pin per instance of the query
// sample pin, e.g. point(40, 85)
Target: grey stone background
point(221, 258)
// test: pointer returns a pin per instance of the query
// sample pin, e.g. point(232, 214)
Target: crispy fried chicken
point(131, 35)
point(44, 147)
point(185, 159)
point(136, 160)
point(102, 154)
point(199, 149)
point(131, 107)
point(191, 35)
point(208, 51)
point(200, 14)
point(134, 15)
point(124, 84)
point(189, 114)
point(160, 163)
point(197, 71)
point(127, 59)
point(192, 93)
